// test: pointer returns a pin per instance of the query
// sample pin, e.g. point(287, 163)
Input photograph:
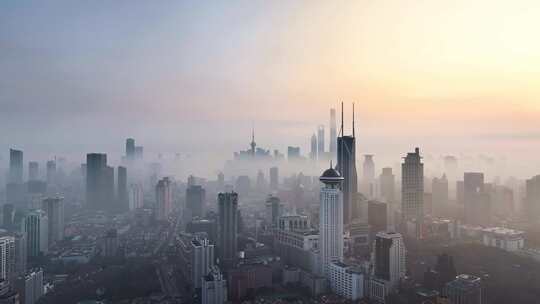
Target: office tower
point(439, 190)
point(377, 216)
point(320, 142)
point(202, 260)
point(122, 189)
point(274, 178)
point(227, 229)
point(33, 171)
point(163, 199)
point(293, 153)
point(389, 258)
point(465, 289)
point(214, 288)
point(196, 200)
point(346, 156)
point(388, 185)
point(36, 227)
point(220, 181)
point(313, 151)
point(21, 252)
point(54, 209)
point(368, 181)
point(51, 172)
point(412, 187)
point(243, 185)
point(96, 165)
point(475, 198)
point(130, 148)
point(333, 134)
point(30, 286)
point(261, 182)
point(8, 215)
point(330, 220)
point(136, 196)
point(274, 209)
point(7, 258)
point(15, 166)
point(139, 152)
point(451, 166)
point(532, 198)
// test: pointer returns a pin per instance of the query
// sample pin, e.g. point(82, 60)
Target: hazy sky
point(190, 75)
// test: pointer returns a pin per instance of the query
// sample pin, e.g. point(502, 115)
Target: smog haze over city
point(266, 151)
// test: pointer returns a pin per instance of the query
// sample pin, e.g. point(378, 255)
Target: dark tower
point(228, 229)
point(253, 144)
point(346, 165)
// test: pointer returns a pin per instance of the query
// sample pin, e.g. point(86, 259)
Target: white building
point(7, 257)
point(36, 226)
point(330, 220)
point(346, 281)
point(503, 238)
point(389, 259)
point(214, 288)
point(30, 286)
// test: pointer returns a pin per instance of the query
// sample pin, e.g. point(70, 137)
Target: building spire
point(253, 144)
point(341, 131)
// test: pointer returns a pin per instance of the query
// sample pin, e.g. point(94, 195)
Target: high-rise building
point(96, 166)
point(214, 288)
point(227, 229)
point(368, 181)
point(330, 220)
point(7, 258)
point(333, 134)
point(388, 185)
point(122, 195)
point(293, 153)
point(412, 187)
point(51, 172)
point(54, 209)
point(8, 215)
point(451, 166)
point(21, 252)
point(389, 258)
point(320, 142)
point(313, 150)
point(465, 289)
point(136, 196)
point(476, 199)
point(532, 198)
point(346, 157)
point(274, 209)
point(274, 178)
point(163, 199)
point(439, 190)
point(377, 216)
point(109, 243)
point(196, 200)
point(36, 227)
point(30, 286)
point(197, 255)
point(33, 171)
point(130, 148)
point(15, 166)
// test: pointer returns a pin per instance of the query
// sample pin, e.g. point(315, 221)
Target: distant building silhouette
point(227, 229)
point(196, 200)
point(15, 166)
point(164, 199)
point(346, 165)
point(122, 195)
point(54, 209)
point(99, 182)
point(274, 178)
point(320, 142)
point(33, 171)
point(333, 134)
point(412, 186)
point(36, 227)
point(130, 148)
point(387, 181)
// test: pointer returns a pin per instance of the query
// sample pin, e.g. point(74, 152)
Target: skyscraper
point(333, 134)
point(389, 258)
point(51, 172)
point(15, 166)
point(465, 289)
point(313, 151)
point(130, 148)
point(96, 165)
point(7, 258)
point(8, 215)
point(163, 199)
point(330, 220)
point(227, 229)
point(368, 181)
point(388, 185)
point(412, 187)
point(54, 209)
point(122, 195)
point(196, 200)
point(346, 156)
point(274, 209)
point(33, 171)
point(320, 142)
point(439, 189)
point(476, 199)
point(136, 196)
point(214, 288)
point(532, 198)
point(274, 178)
point(377, 216)
point(30, 286)
point(36, 227)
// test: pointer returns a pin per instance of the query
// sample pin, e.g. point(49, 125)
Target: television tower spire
point(353, 119)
